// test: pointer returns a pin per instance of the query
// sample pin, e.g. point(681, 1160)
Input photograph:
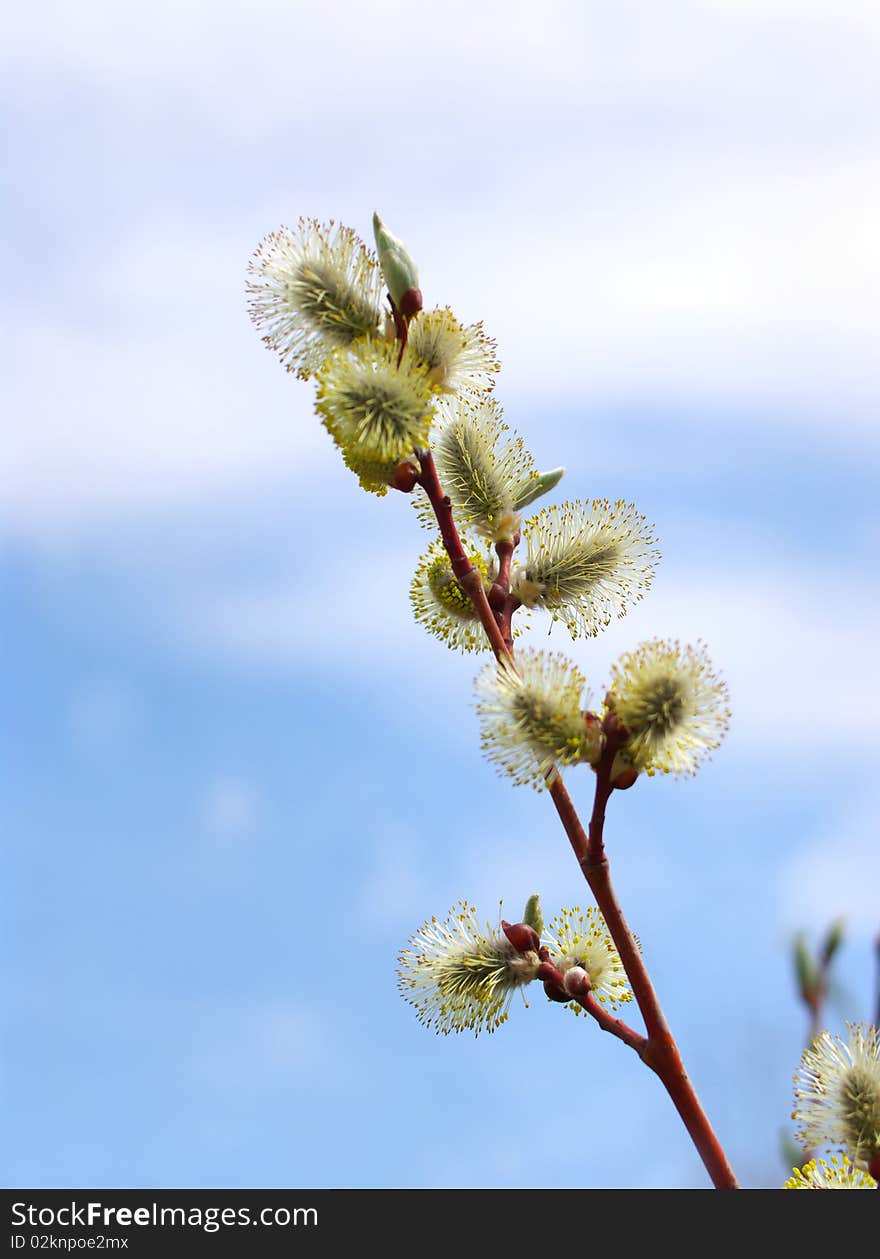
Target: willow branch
point(553, 977)
point(469, 578)
point(659, 1050)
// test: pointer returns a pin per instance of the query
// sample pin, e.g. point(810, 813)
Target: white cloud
point(674, 205)
point(797, 650)
point(297, 616)
point(146, 413)
point(738, 304)
point(260, 66)
point(743, 282)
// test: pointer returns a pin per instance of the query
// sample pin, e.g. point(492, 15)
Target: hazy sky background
point(235, 775)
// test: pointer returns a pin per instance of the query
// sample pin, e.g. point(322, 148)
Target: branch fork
point(657, 1049)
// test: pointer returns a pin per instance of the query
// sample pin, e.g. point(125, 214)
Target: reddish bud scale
point(577, 982)
point(524, 938)
point(623, 780)
point(614, 727)
point(406, 478)
point(401, 328)
point(555, 993)
point(411, 303)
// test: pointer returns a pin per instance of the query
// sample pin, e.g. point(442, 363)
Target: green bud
point(398, 268)
point(533, 915)
point(805, 969)
point(534, 489)
point(833, 941)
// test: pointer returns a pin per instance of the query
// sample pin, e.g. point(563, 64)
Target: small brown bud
point(410, 303)
point(555, 993)
point(577, 981)
point(595, 738)
point(623, 772)
point(405, 478)
point(523, 937)
point(614, 727)
point(625, 779)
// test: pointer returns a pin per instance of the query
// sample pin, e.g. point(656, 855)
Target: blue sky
point(236, 776)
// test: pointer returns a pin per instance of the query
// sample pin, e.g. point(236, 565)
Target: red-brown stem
point(501, 587)
point(401, 327)
point(660, 1051)
point(501, 601)
point(588, 1002)
point(596, 837)
point(504, 619)
point(469, 578)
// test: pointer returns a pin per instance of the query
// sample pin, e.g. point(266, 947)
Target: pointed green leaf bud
point(398, 269)
point(808, 980)
point(533, 915)
point(833, 941)
point(537, 487)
